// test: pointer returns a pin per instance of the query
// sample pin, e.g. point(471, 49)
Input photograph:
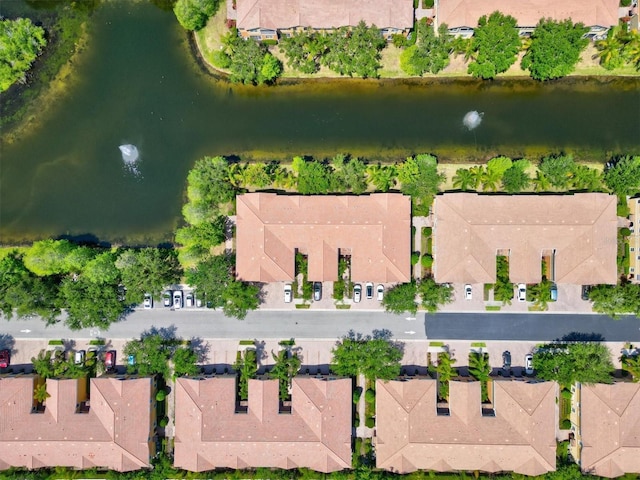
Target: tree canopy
point(251, 62)
point(354, 52)
point(90, 304)
point(374, 356)
point(433, 294)
point(613, 300)
point(147, 270)
point(555, 49)
point(21, 42)
point(303, 50)
point(430, 53)
point(401, 298)
point(495, 45)
point(193, 14)
point(585, 362)
point(623, 177)
point(208, 189)
point(210, 279)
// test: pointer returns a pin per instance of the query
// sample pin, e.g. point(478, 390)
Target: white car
point(177, 299)
point(287, 293)
point(528, 364)
point(167, 298)
point(522, 292)
point(79, 357)
point(467, 292)
point(189, 300)
point(357, 293)
point(380, 292)
point(148, 301)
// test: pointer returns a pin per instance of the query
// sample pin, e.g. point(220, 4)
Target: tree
point(239, 298)
point(464, 179)
point(374, 357)
point(613, 300)
point(610, 50)
point(515, 178)
point(312, 177)
point(151, 352)
point(541, 182)
point(401, 298)
point(623, 178)
point(193, 14)
point(204, 235)
point(102, 269)
point(208, 189)
point(246, 367)
point(631, 365)
point(558, 170)
point(555, 49)
point(286, 367)
point(251, 62)
point(585, 178)
point(40, 393)
point(270, 70)
point(445, 372)
point(430, 54)
point(89, 304)
point(586, 362)
point(48, 257)
point(419, 177)
point(210, 279)
point(540, 293)
point(491, 179)
point(42, 364)
point(433, 294)
point(148, 270)
point(495, 45)
point(383, 177)
point(479, 366)
point(22, 42)
point(303, 50)
point(348, 175)
point(354, 52)
point(185, 362)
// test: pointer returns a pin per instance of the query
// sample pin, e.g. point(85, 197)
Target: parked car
point(177, 299)
point(585, 292)
point(528, 364)
point(5, 358)
point(357, 293)
point(467, 292)
point(380, 291)
point(167, 298)
point(317, 291)
point(522, 292)
point(287, 293)
point(131, 359)
point(148, 301)
point(369, 290)
point(79, 357)
point(554, 292)
point(110, 360)
point(506, 360)
point(189, 300)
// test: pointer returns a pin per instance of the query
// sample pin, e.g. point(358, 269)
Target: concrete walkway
point(419, 223)
point(362, 431)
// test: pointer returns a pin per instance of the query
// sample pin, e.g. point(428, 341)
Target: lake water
point(138, 84)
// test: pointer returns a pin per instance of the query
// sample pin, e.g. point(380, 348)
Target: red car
point(5, 358)
point(110, 360)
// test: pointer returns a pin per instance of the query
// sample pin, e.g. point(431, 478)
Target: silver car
point(177, 299)
point(357, 293)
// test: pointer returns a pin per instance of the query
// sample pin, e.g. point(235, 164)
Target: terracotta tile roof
point(114, 434)
point(469, 229)
point(316, 434)
point(610, 429)
point(465, 13)
point(374, 229)
point(323, 14)
point(411, 436)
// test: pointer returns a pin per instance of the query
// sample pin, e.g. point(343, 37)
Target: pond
point(138, 84)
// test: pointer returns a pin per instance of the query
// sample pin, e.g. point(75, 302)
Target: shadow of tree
point(581, 337)
point(7, 341)
point(201, 348)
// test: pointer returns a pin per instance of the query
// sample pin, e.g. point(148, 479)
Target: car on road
point(287, 293)
point(554, 292)
point(528, 364)
point(189, 300)
point(522, 292)
point(177, 299)
point(585, 292)
point(167, 298)
point(380, 292)
point(357, 293)
point(317, 291)
point(79, 357)
point(110, 360)
point(5, 358)
point(468, 293)
point(148, 301)
point(506, 362)
point(369, 290)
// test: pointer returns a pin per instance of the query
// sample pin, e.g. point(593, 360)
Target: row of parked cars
point(357, 292)
point(174, 299)
point(506, 363)
point(521, 292)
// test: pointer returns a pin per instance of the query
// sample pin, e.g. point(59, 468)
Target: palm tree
point(491, 179)
point(445, 372)
point(541, 182)
point(479, 367)
point(40, 393)
point(631, 364)
point(286, 367)
point(540, 294)
point(383, 177)
point(632, 49)
point(464, 179)
point(585, 178)
point(236, 174)
point(478, 173)
point(610, 49)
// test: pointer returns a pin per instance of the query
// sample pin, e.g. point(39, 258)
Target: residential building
point(112, 428)
point(605, 421)
point(461, 16)
point(634, 239)
point(516, 435)
point(576, 234)
point(212, 430)
point(267, 19)
point(374, 231)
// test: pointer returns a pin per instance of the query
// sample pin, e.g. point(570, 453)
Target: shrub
point(164, 422)
point(427, 231)
point(566, 394)
point(161, 395)
point(356, 394)
point(625, 3)
point(625, 232)
point(370, 423)
point(270, 41)
point(220, 59)
point(566, 424)
point(399, 40)
point(427, 261)
point(427, 3)
point(415, 256)
point(356, 422)
point(622, 210)
point(370, 396)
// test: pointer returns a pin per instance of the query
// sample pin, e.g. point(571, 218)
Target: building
point(373, 230)
point(461, 16)
point(113, 428)
point(634, 240)
point(314, 433)
point(605, 420)
point(267, 19)
point(576, 234)
point(517, 435)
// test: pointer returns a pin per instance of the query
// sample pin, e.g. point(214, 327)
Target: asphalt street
point(268, 324)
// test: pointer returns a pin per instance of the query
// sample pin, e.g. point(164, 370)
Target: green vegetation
point(419, 178)
point(620, 48)
point(614, 300)
point(251, 62)
point(402, 298)
point(623, 177)
point(50, 364)
point(156, 351)
point(494, 45)
point(286, 367)
point(503, 288)
point(354, 51)
point(540, 293)
point(193, 14)
point(480, 369)
point(246, 367)
point(584, 362)
point(445, 373)
point(22, 42)
point(430, 53)
point(304, 50)
point(433, 294)
point(555, 49)
point(374, 356)
point(631, 365)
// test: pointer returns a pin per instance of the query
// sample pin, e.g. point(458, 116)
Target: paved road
point(267, 324)
point(533, 327)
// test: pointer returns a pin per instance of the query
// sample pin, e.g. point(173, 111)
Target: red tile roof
point(374, 229)
point(316, 434)
point(114, 434)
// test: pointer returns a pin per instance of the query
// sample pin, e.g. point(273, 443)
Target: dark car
point(554, 293)
point(506, 362)
point(585, 292)
point(369, 290)
point(317, 291)
point(110, 360)
point(5, 358)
